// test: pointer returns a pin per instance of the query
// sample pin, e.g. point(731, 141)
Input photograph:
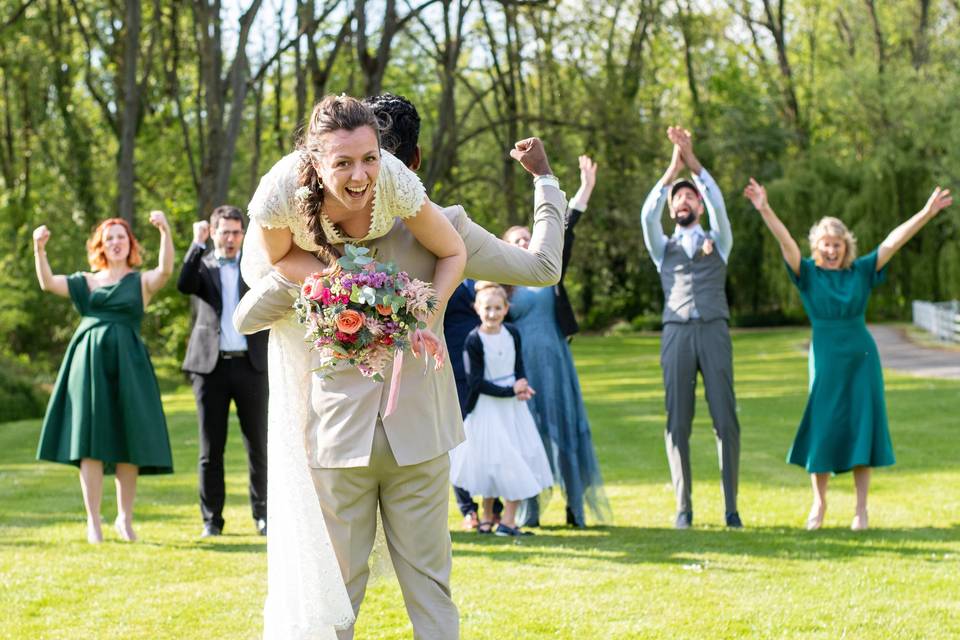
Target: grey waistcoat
point(693, 282)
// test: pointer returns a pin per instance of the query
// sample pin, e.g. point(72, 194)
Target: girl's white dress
point(503, 455)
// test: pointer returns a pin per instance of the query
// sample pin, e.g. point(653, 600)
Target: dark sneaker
point(504, 530)
point(733, 520)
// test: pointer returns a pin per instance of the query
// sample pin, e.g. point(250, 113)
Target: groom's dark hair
point(400, 125)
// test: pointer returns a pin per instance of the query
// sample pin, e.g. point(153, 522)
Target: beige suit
point(361, 460)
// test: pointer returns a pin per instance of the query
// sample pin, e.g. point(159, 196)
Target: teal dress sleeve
point(866, 267)
point(79, 291)
point(801, 280)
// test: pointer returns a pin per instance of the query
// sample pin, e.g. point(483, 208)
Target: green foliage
point(20, 397)
point(871, 137)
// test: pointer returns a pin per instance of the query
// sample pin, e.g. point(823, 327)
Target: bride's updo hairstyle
point(333, 113)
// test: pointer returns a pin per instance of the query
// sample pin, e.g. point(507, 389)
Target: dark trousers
point(232, 379)
point(687, 348)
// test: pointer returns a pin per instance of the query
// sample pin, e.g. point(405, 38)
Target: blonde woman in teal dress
point(105, 414)
point(844, 425)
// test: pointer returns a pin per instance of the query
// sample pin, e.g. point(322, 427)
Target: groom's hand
point(532, 156)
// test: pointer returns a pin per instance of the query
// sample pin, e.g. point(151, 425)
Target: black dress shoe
point(573, 520)
point(733, 520)
point(210, 530)
point(262, 526)
point(684, 520)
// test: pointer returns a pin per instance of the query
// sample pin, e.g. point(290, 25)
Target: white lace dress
point(306, 596)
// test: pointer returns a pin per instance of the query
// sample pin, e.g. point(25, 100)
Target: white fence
point(942, 319)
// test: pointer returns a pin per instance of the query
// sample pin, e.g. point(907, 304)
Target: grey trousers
point(685, 349)
point(414, 503)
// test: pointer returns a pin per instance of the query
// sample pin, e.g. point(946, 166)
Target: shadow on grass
point(636, 545)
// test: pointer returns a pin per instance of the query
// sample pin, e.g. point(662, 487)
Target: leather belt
point(230, 355)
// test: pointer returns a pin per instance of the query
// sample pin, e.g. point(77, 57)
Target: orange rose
point(385, 309)
point(350, 321)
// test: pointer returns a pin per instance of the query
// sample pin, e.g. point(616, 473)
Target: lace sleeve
point(273, 204)
point(400, 194)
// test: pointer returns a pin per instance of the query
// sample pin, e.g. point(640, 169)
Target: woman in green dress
point(844, 425)
point(105, 413)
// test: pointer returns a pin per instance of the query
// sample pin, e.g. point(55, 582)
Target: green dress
point(845, 422)
point(106, 401)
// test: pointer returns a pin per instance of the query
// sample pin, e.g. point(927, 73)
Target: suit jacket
point(200, 278)
point(459, 320)
point(566, 320)
point(477, 384)
point(426, 422)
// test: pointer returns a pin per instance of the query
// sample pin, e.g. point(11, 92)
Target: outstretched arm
point(788, 246)
point(154, 279)
point(55, 284)
point(939, 200)
point(489, 258)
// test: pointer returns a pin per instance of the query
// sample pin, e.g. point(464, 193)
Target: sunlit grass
point(637, 578)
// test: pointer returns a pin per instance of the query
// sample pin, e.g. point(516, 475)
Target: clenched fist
point(532, 156)
point(201, 231)
point(40, 236)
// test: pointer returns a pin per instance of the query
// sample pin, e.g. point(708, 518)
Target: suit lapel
point(213, 268)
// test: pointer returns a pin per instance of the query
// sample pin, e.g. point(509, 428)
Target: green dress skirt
point(845, 421)
point(106, 401)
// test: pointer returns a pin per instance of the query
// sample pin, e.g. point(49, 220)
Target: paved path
point(901, 354)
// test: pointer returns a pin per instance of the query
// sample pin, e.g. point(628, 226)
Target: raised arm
point(939, 200)
point(489, 258)
point(788, 246)
point(709, 191)
point(55, 284)
point(588, 180)
point(650, 214)
point(154, 279)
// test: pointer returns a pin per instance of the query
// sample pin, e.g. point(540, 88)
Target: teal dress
point(845, 422)
point(106, 401)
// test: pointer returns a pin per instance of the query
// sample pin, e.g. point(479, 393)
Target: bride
point(337, 187)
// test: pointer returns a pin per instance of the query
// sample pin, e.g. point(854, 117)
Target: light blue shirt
point(230, 338)
point(652, 211)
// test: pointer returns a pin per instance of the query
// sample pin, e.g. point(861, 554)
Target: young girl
point(503, 454)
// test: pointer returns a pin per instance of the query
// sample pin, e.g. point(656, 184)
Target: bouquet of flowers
point(363, 312)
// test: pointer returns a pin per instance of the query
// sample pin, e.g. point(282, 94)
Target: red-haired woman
point(105, 414)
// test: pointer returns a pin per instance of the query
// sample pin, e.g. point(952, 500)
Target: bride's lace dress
point(306, 597)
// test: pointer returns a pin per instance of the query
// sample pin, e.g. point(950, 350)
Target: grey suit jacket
point(426, 422)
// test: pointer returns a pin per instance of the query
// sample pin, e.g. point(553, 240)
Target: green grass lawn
point(637, 578)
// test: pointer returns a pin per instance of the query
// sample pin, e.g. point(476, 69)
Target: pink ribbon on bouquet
point(395, 377)
point(394, 383)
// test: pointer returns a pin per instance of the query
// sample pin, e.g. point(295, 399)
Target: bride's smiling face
point(348, 166)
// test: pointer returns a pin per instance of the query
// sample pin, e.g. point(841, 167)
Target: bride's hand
point(426, 341)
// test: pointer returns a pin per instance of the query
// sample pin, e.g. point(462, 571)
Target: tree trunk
point(129, 113)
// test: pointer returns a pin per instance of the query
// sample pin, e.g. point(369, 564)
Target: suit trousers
point(232, 379)
point(414, 505)
point(685, 349)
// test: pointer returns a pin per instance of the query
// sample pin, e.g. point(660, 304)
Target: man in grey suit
point(693, 271)
point(362, 461)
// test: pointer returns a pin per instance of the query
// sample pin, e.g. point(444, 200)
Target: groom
point(693, 272)
point(361, 460)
